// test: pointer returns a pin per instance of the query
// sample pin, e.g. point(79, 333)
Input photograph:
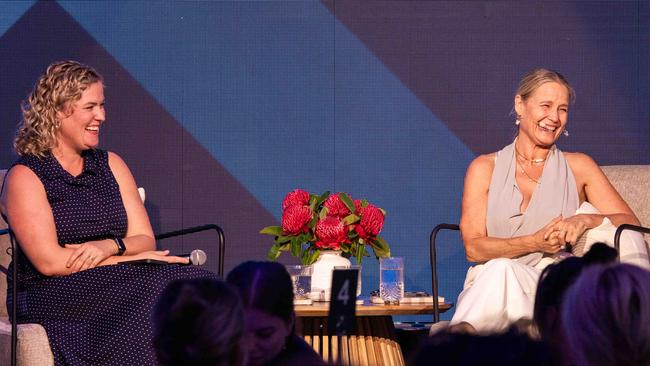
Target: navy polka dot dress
point(100, 316)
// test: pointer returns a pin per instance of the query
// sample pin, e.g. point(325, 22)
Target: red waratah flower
point(357, 205)
point(330, 233)
point(295, 219)
point(297, 197)
point(336, 207)
point(372, 221)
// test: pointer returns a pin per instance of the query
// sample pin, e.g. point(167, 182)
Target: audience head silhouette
point(511, 348)
point(556, 279)
point(606, 316)
point(267, 295)
point(199, 322)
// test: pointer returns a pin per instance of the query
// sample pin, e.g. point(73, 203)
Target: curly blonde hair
point(62, 83)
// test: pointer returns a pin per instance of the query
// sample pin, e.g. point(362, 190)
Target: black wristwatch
point(121, 248)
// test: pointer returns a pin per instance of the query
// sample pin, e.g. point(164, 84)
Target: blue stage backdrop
point(221, 108)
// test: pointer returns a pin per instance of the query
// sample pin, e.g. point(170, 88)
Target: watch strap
point(121, 248)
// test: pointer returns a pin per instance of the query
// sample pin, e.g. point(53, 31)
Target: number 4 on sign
point(344, 293)
point(341, 319)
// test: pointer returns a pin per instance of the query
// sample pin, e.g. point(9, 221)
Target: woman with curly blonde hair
point(76, 214)
point(62, 83)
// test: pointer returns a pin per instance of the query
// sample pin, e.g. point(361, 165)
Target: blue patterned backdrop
point(222, 107)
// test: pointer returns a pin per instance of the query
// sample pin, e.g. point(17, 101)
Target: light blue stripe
point(10, 12)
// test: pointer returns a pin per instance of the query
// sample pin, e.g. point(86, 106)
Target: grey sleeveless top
point(555, 194)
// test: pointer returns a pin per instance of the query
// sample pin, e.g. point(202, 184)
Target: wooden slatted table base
point(372, 344)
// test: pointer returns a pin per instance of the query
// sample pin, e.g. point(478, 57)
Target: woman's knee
point(500, 264)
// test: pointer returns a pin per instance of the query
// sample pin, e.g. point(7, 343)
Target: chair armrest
point(434, 272)
point(619, 231)
point(14, 292)
point(196, 229)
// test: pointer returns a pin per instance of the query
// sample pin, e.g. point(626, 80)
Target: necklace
point(521, 156)
point(528, 176)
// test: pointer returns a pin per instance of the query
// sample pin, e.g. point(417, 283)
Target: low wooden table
point(374, 342)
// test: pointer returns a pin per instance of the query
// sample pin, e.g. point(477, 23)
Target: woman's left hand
point(89, 255)
point(570, 229)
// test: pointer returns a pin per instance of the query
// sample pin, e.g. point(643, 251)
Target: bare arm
point(25, 204)
point(139, 237)
point(478, 246)
point(30, 217)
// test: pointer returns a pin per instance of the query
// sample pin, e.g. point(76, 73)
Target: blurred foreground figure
point(267, 295)
point(199, 323)
point(606, 316)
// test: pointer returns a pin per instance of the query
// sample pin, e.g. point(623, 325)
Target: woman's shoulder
point(577, 156)
point(116, 163)
point(580, 162)
point(32, 166)
point(483, 163)
point(106, 158)
point(31, 161)
point(20, 180)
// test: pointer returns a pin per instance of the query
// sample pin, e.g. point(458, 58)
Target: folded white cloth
point(633, 248)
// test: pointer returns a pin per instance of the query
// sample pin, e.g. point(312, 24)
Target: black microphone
point(197, 257)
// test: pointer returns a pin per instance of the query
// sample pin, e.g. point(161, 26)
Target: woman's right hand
point(548, 242)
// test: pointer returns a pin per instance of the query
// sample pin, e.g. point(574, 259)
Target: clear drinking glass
point(357, 267)
point(391, 280)
point(301, 279)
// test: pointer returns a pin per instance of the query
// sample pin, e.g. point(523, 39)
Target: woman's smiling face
point(81, 121)
point(544, 114)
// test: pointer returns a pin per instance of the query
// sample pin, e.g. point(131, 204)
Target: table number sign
point(341, 319)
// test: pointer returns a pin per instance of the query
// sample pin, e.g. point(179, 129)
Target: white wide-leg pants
point(501, 291)
point(497, 294)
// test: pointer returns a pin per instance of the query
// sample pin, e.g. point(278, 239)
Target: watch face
point(121, 248)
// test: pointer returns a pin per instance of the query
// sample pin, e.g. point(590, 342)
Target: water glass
point(301, 279)
point(391, 280)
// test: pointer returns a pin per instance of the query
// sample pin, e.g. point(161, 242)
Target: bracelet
point(121, 248)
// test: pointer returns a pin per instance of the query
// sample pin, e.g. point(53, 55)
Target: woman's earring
point(565, 133)
point(517, 121)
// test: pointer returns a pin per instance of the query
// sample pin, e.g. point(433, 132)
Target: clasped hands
point(559, 232)
point(91, 254)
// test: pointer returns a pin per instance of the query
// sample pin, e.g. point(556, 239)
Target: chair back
point(5, 258)
point(631, 181)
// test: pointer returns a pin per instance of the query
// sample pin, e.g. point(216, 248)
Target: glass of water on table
point(391, 280)
point(301, 279)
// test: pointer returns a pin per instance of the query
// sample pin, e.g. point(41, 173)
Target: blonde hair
point(62, 83)
point(537, 77)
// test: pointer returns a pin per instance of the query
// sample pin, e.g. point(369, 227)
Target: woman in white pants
point(525, 204)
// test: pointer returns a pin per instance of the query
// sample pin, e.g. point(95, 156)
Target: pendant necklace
point(530, 162)
point(528, 176)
